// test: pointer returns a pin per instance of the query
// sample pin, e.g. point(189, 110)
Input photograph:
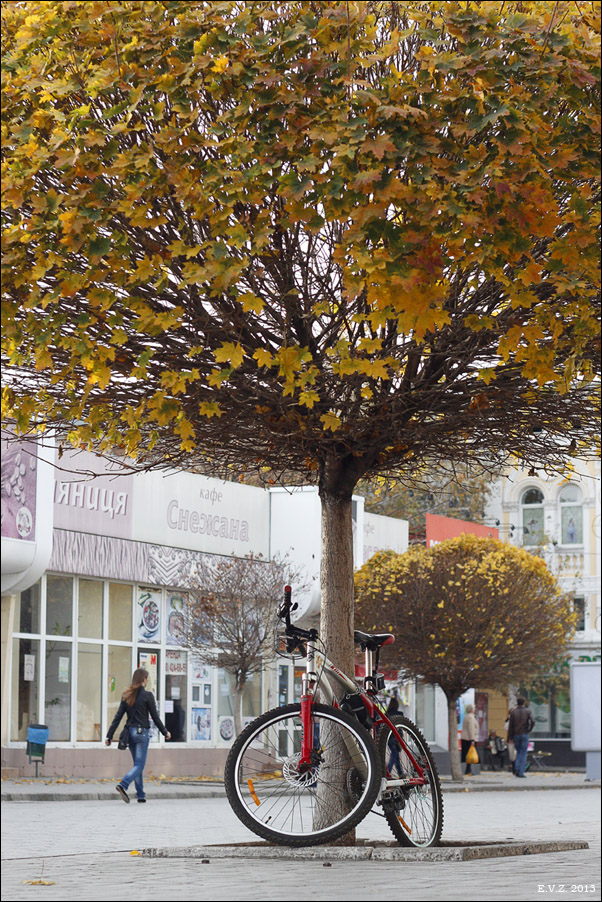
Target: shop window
point(201, 711)
point(119, 676)
point(176, 680)
point(27, 613)
point(551, 709)
point(532, 517)
point(283, 672)
point(57, 690)
point(251, 702)
point(150, 659)
point(571, 515)
point(24, 687)
point(579, 609)
point(120, 612)
point(59, 605)
point(89, 692)
point(89, 623)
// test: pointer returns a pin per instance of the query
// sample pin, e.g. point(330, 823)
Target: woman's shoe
point(142, 800)
point(123, 793)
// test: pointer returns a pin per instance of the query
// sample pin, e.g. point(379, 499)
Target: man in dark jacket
point(521, 722)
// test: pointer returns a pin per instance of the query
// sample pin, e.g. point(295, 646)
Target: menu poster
point(149, 660)
point(148, 615)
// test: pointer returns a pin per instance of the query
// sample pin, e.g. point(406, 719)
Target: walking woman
point(470, 734)
point(137, 703)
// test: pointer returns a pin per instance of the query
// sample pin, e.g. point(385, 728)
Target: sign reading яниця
point(182, 510)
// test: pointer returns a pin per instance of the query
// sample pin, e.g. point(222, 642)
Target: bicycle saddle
point(372, 641)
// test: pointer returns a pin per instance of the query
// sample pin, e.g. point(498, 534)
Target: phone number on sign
point(566, 887)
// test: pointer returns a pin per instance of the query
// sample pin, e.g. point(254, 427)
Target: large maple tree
point(337, 238)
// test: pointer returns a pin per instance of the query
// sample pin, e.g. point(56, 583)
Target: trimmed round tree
point(469, 611)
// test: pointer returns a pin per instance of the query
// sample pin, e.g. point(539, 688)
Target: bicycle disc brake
point(300, 774)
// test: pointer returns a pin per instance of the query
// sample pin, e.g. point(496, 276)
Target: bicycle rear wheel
point(291, 803)
point(414, 812)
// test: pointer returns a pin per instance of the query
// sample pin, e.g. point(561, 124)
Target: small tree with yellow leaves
point(468, 611)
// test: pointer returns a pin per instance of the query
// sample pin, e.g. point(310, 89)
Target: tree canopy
point(329, 231)
point(467, 612)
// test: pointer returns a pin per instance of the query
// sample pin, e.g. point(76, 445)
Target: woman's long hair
point(138, 678)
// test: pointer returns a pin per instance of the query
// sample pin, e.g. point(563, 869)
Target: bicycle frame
point(319, 671)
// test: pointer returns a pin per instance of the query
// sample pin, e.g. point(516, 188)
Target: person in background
point(520, 724)
point(138, 703)
point(470, 734)
point(496, 750)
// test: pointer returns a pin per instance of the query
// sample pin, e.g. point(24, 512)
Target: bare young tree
point(230, 619)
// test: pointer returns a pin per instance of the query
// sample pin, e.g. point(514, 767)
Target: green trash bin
point(37, 737)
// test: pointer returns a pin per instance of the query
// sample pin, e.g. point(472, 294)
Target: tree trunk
point(336, 630)
point(237, 692)
point(336, 578)
point(454, 751)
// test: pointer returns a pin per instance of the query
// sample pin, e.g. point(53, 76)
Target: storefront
point(110, 599)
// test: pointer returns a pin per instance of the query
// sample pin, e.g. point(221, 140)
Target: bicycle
point(308, 773)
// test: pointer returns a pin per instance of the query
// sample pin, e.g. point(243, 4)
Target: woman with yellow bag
point(470, 734)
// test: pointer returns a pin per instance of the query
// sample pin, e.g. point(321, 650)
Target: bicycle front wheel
point(293, 802)
point(413, 811)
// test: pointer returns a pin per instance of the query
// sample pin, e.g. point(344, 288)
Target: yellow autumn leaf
point(263, 358)
point(230, 353)
point(330, 421)
point(251, 303)
point(308, 398)
point(210, 409)
point(221, 64)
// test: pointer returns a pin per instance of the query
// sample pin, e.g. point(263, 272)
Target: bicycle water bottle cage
point(353, 704)
point(374, 683)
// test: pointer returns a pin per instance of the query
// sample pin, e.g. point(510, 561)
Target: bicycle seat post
point(368, 664)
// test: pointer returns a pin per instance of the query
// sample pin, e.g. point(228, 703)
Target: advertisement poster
point(200, 672)
point(226, 728)
point(175, 663)
point(29, 667)
point(175, 618)
point(148, 660)
point(19, 485)
point(63, 670)
point(148, 615)
point(201, 723)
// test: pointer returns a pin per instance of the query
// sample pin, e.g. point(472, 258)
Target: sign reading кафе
point(181, 510)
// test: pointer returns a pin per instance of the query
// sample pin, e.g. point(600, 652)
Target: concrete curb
point(109, 795)
point(367, 853)
point(104, 796)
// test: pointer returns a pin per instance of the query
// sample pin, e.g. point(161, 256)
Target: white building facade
point(94, 576)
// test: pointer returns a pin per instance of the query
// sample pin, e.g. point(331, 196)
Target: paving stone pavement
point(84, 848)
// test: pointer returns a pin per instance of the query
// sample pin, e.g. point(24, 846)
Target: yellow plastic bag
point(472, 756)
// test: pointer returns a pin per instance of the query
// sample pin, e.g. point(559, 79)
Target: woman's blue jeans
point(139, 749)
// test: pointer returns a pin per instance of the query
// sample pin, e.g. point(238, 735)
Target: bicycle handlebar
point(284, 613)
